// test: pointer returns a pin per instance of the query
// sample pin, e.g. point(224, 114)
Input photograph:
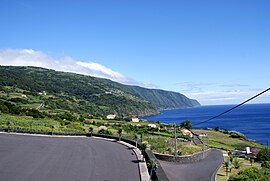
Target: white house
point(186, 132)
point(135, 119)
point(111, 116)
point(152, 125)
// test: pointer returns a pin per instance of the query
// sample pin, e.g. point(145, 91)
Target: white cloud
point(29, 57)
point(219, 94)
point(229, 96)
point(102, 71)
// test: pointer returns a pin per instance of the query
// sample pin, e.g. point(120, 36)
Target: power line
point(233, 107)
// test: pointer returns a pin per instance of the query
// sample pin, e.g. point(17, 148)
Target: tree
point(153, 165)
point(53, 127)
point(9, 125)
point(91, 130)
point(81, 118)
point(120, 133)
point(186, 124)
point(251, 160)
point(4, 108)
point(228, 166)
point(216, 128)
point(144, 146)
point(236, 163)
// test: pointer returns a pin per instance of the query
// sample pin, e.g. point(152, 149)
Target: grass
point(221, 174)
point(223, 141)
point(38, 125)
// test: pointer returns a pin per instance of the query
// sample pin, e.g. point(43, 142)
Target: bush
point(265, 164)
point(251, 174)
point(263, 155)
point(216, 128)
point(247, 174)
point(103, 131)
point(235, 134)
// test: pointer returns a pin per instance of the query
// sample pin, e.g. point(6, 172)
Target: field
point(38, 124)
point(223, 141)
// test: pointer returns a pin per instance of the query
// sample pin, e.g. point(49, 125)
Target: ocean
point(253, 120)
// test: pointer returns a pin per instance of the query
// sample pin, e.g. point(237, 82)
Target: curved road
point(203, 170)
point(30, 158)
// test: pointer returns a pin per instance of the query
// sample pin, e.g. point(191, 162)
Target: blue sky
point(217, 52)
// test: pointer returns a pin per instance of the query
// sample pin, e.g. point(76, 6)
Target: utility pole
point(175, 141)
point(202, 146)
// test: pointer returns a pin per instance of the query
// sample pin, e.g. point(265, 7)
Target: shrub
point(247, 174)
point(251, 174)
point(103, 131)
point(236, 163)
point(265, 164)
point(263, 155)
point(235, 134)
point(216, 128)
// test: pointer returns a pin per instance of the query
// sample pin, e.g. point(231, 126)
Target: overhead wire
point(257, 95)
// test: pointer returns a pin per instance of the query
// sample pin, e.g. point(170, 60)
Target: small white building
point(152, 125)
point(139, 126)
point(135, 119)
point(111, 116)
point(43, 93)
point(203, 135)
point(24, 96)
point(248, 150)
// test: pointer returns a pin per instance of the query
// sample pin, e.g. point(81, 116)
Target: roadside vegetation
point(159, 140)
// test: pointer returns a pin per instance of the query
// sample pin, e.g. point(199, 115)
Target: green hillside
point(82, 94)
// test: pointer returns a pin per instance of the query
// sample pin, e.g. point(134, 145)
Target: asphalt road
point(31, 158)
point(199, 171)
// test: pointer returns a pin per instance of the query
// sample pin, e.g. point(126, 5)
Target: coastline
point(241, 119)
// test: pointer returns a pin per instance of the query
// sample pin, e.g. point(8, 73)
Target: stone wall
point(184, 159)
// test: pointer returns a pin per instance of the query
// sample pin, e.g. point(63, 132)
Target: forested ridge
point(86, 94)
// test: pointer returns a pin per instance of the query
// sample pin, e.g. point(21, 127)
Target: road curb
point(142, 165)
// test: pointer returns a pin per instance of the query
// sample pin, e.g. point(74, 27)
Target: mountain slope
point(165, 99)
point(86, 94)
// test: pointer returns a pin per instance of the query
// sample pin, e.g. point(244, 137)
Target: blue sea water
point(253, 120)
